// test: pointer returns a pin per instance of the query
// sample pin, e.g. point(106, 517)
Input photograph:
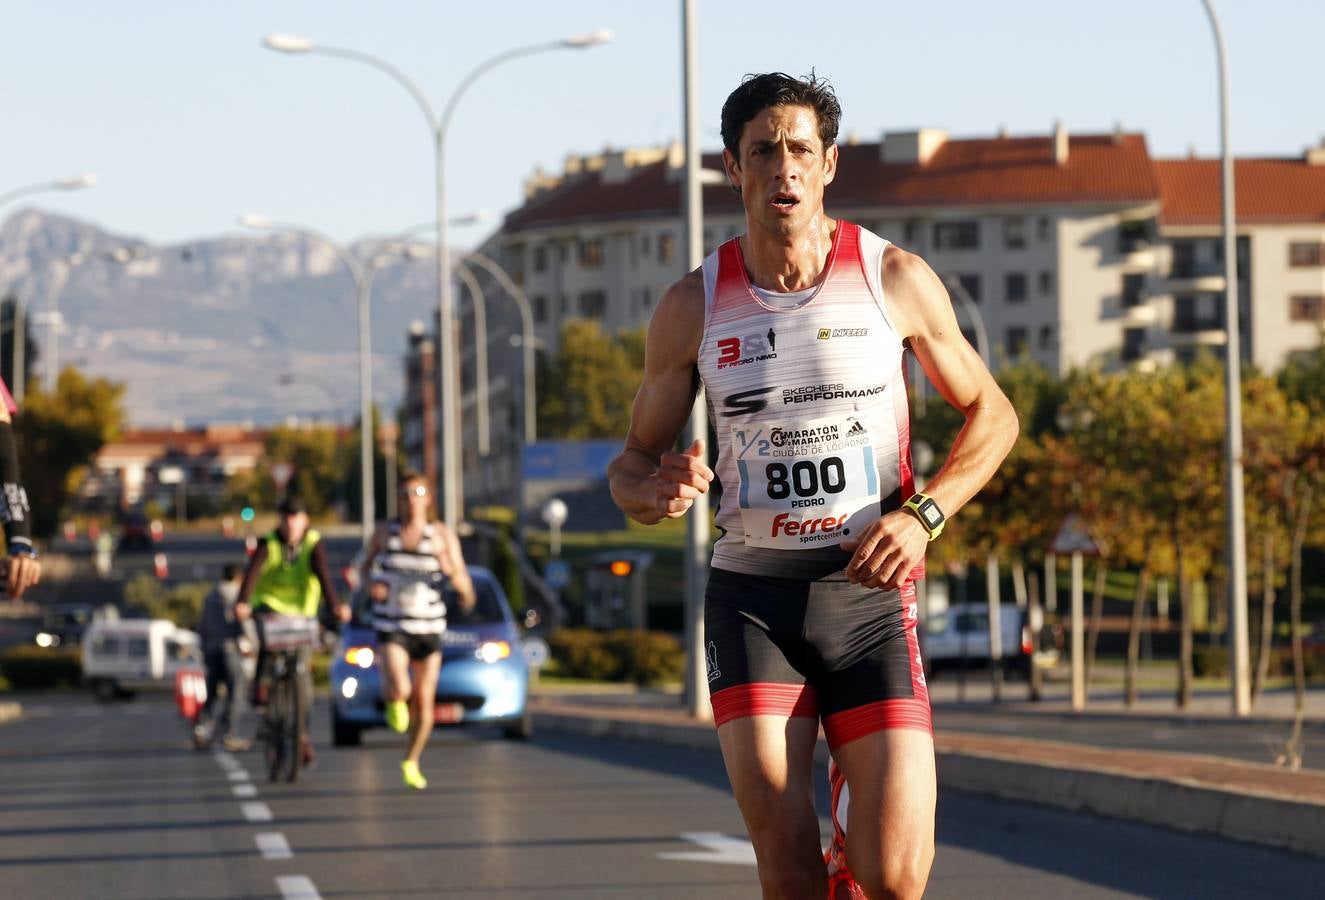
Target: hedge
point(1212, 662)
point(31, 667)
point(643, 657)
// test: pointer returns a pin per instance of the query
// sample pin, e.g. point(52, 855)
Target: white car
point(959, 637)
point(125, 656)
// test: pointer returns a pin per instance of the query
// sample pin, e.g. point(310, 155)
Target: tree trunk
point(1096, 613)
point(1295, 598)
point(1134, 633)
point(1262, 671)
point(1185, 627)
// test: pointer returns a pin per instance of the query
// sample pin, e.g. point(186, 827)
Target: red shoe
point(841, 886)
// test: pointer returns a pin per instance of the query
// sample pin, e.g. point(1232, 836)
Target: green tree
point(588, 390)
point(59, 434)
point(321, 460)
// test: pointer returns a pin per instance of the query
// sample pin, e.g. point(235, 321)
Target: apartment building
point(1074, 250)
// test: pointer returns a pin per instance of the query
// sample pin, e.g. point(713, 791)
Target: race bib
point(805, 484)
point(417, 600)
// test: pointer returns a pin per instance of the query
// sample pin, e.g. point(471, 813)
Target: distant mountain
point(205, 330)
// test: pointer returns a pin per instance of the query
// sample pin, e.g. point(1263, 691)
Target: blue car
point(484, 678)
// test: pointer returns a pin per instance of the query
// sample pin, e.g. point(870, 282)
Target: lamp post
point(448, 434)
point(70, 183)
point(362, 273)
point(480, 359)
point(517, 294)
point(1235, 535)
point(967, 303)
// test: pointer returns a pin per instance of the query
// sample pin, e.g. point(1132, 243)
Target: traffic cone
point(161, 566)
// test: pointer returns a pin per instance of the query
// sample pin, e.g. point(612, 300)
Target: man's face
point(294, 525)
point(783, 168)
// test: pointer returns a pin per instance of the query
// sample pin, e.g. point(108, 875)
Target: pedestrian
point(407, 566)
point(21, 566)
point(227, 644)
point(796, 330)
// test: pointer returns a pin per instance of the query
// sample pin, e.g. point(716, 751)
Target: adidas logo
point(856, 428)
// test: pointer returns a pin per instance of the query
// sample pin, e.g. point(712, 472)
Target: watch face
point(929, 511)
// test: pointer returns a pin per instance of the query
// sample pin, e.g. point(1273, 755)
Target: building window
point(1046, 283)
point(593, 304)
point(963, 235)
point(565, 305)
point(540, 258)
point(1197, 312)
point(1306, 309)
point(1306, 255)
point(645, 297)
point(910, 232)
point(1133, 236)
point(540, 309)
point(645, 245)
point(1184, 259)
point(666, 247)
point(1134, 344)
point(1014, 285)
point(563, 252)
point(1134, 290)
point(1014, 232)
point(1046, 337)
point(591, 254)
point(972, 285)
point(1017, 342)
point(1042, 229)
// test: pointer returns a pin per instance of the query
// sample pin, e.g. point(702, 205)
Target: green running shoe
point(397, 716)
point(409, 771)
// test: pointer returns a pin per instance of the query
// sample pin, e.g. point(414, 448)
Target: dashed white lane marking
point(238, 775)
point(244, 791)
point(718, 848)
point(256, 812)
point(273, 845)
point(297, 887)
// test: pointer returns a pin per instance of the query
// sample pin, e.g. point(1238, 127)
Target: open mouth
point(785, 202)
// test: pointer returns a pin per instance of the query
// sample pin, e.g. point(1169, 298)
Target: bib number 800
point(805, 478)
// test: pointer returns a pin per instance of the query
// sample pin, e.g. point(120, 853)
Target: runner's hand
point(682, 477)
point(887, 552)
point(343, 612)
point(22, 572)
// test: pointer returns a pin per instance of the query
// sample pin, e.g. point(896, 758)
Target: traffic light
point(247, 514)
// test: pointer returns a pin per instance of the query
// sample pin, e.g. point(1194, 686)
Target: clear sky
point(189, 122)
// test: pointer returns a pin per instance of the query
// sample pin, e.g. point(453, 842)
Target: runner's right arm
point(649, 481)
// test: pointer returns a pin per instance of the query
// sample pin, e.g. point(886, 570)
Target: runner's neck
point(789, 263)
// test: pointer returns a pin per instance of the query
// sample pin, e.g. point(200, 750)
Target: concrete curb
point(9, 711)
point(1169, 803)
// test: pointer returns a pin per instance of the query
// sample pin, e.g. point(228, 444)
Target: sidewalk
point(1244, 801)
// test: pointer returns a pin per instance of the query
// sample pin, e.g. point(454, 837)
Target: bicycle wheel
point(274, 726)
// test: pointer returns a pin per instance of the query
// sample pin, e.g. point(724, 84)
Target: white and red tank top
point(809, 405)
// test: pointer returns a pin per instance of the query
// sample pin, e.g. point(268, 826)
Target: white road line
point(718, 848)
point(238, 775)
point(256, 812)
point(297, 887)
point(244, 790)
point(273, 845)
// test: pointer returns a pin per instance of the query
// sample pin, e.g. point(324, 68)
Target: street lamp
point(1235, 536)
point(362, 273)
point(448, 435)
point(517, 294)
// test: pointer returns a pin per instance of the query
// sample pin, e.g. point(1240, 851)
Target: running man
point(21, 568)
point(409, 615)
point(797, 330)
point(287, 575)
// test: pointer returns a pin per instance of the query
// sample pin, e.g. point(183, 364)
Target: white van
point(128, 655)
point(959, 637)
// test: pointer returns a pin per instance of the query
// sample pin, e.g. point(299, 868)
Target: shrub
point(1209, 662)
point(32, 668)
point(646, 657)
point(180, 603)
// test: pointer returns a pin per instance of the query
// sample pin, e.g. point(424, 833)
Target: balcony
point(1193, 284)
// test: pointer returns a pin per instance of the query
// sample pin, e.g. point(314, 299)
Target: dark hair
point(230, 571)
point(410, 475)
point(292, 505)
point(758, 92)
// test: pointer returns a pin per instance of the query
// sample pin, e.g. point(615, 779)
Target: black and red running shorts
point(825, 648)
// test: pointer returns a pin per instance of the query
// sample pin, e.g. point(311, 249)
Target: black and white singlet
point(412, 600)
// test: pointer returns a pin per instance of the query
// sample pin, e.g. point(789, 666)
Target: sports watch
point(923, 507)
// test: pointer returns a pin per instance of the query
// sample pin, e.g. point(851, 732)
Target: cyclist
point(409, 614)
point(288, 576)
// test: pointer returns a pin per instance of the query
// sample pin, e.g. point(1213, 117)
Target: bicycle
point(283, 732)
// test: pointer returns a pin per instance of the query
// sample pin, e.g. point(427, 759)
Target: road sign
point(557, 574)
point(280, 474)
point(1072, 537)
point(536, 652)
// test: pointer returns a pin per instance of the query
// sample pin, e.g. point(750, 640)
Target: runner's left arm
point(23, 569)
point(452, 559)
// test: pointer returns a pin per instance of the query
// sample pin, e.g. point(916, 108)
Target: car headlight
point(46, 639)
point(349, 687)
point(360, 656)
point(491, 651)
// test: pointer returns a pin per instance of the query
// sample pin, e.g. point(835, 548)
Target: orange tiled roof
point(1268, 190)
point(1099, 169)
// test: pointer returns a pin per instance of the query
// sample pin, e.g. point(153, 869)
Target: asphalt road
point(109, 801)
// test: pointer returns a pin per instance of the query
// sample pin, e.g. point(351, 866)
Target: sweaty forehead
point(774, 122)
